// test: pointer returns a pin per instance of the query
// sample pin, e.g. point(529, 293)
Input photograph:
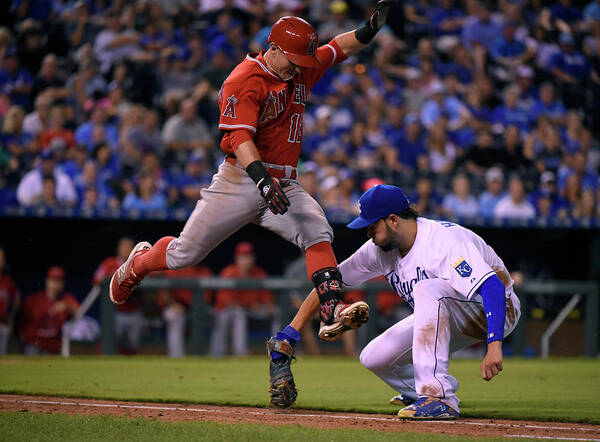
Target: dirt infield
point(312, 418)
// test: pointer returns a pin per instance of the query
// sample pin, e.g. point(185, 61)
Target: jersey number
point(296, 122)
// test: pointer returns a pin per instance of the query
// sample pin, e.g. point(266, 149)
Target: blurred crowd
point(476, 108)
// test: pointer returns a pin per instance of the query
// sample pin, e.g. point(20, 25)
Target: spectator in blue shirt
point(98, 120)
point(409, 151)
point(322, 140)
point(443, 104)
point(570, 65)
point(446, 19)
point(587, 178)
point(510, 113)
point(426, 200)
point(460, 202)
point(510, 52)
point(461, 65)
point(418, 13)
point(108, 165)
point(15, 82)
point(566, 13)
point(549, 106)
point(482, 31)
point(147, 196)
point(592, 11)
point(78, 157)
point(546, 200)
point(195, 178)
point(494, 183)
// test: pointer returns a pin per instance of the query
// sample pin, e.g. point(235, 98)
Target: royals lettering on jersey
point(405, 288)
point(456, 255)
point(255, 99)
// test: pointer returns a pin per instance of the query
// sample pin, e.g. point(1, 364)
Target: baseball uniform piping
point(237, 126)
point(334, 52)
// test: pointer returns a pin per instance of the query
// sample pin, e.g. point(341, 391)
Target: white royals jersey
point(441, 250)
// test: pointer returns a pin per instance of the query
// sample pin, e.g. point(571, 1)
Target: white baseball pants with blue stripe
point(413, 355)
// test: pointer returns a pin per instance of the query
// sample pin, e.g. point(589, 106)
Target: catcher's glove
point(282, 390)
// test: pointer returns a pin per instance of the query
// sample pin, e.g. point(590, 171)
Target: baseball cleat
point(428, 408)
point(124, 280)
point(402, 399)
point(345, 317)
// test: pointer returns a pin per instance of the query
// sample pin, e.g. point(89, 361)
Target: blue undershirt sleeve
point(494, 305)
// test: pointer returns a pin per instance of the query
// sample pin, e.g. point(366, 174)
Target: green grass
point(557, 389)
point(60, 427)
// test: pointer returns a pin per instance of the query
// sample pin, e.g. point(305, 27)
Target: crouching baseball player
point(261, 107)
point(458, 287)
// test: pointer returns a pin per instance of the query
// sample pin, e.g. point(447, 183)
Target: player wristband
point(257, 171)
point(365, 33)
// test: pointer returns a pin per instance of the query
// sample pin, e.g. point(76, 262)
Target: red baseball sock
point(154, 259)
point(319, 257)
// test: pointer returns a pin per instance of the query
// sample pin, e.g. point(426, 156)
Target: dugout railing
point(199, 317)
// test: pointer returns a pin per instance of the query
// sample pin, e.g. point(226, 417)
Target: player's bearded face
point(382, 235)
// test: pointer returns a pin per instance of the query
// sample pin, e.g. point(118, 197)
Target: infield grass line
point(267, 412)
point(562, 390)
point(41, 427)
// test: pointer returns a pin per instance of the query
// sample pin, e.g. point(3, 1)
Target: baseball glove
point(282, 390)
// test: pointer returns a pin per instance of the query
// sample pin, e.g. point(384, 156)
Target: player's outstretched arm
point(307, 310)
point(353, 41)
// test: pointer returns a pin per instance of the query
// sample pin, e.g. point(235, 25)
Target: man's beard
point(391, 244)
point(388, 247)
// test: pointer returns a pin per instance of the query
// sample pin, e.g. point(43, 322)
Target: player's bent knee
point(181, 254)
point(368, 358)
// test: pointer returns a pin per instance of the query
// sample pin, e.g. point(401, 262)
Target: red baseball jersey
point(42, 326)
point(256, 100)
point(8, 296)
point(106, 270)
point(245, 298)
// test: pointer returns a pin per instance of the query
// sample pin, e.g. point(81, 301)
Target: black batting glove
point(380, 14)
point(269, 188)
point(375, 22)
point(271, 191)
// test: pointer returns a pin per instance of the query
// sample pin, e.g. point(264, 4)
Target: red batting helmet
point(297, 39)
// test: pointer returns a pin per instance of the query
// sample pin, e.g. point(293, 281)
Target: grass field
point(40, 427)
point(565, 390)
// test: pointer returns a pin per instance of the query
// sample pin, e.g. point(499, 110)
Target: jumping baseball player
point(459, 289)
point(261, 114)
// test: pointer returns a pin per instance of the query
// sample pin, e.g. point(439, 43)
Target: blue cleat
point(402, 399)
point(428, 408)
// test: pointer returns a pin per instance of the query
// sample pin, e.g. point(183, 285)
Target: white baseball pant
point(413, 355)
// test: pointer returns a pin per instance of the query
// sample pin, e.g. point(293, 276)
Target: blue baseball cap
point(378, 202)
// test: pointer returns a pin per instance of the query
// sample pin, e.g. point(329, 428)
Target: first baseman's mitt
point(282, 390)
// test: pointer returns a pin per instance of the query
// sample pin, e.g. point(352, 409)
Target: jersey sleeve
point(361, 266)
point(329, 55)
point(464, 268)
point(239, 105)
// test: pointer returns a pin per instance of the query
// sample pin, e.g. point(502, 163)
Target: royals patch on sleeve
point(462, 268)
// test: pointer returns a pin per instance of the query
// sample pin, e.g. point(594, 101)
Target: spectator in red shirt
point(44, 313)
point(128, 316)
point(232, 307)
point(175, 303)
point(9, 303)
point(56, 129)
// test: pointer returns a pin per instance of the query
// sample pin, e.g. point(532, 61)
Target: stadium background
point(110, 121)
